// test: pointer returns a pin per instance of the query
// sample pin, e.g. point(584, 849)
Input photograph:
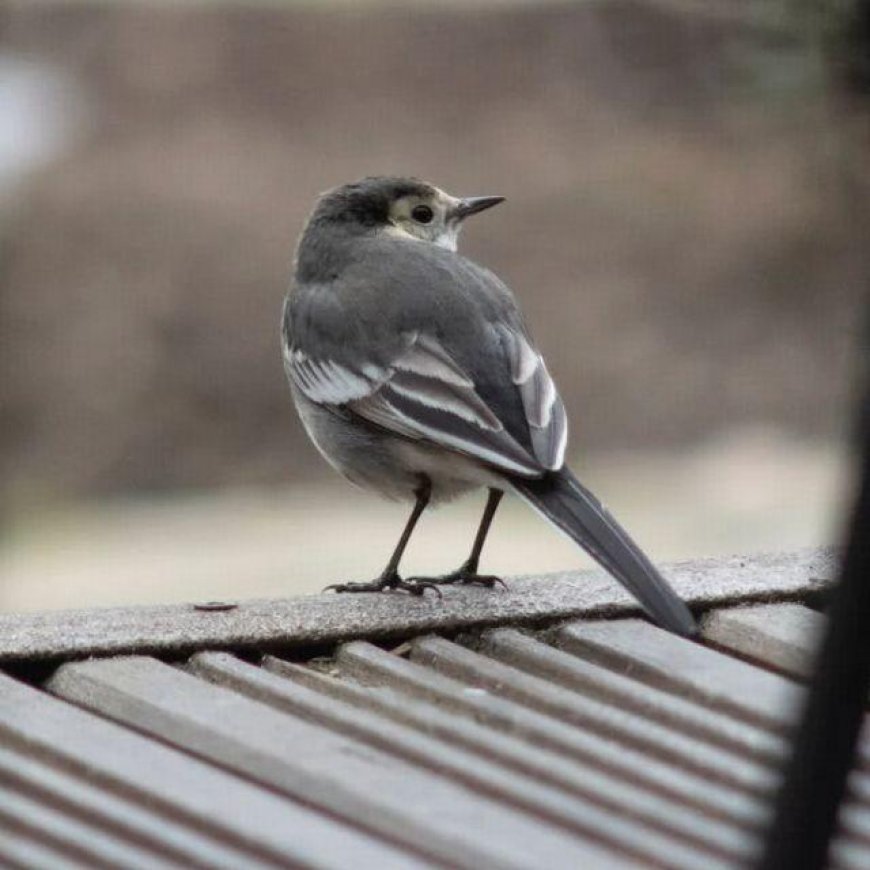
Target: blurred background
point(686, 228)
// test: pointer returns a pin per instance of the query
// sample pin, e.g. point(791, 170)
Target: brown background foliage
point(686, 232)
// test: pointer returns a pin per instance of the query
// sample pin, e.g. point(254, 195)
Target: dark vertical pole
point(815, 782)
point(816, 779)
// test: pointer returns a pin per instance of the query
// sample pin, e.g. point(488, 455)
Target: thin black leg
point(467, 572)
point(423, 495)
point(390, 578)
point(492, 503)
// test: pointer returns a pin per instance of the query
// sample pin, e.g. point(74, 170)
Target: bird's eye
point(422, 214)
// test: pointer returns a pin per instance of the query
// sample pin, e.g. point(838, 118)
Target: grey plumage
point(415, 375)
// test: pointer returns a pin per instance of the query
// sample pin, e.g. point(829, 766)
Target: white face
point(427, 219)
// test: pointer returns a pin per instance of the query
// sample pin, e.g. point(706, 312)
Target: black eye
point(422, 214)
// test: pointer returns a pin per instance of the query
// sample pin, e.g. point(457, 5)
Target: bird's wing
point(422, 393)
point(542, 404)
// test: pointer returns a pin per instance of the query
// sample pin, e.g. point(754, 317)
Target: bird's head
point(402, 207)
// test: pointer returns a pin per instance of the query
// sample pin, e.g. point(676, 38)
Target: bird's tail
point(566, 503)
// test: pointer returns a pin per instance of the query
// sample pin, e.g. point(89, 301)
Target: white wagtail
point(414, 374)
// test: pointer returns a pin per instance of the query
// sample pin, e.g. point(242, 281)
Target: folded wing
point(424, 394)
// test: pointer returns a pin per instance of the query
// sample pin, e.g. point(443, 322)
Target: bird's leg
point(467, 572)
point(390, 578)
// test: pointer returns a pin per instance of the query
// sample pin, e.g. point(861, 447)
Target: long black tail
point(574, 510)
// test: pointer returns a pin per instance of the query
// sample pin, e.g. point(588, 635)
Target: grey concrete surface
point(328, 618)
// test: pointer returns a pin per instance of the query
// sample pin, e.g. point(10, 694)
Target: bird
point(415, 375)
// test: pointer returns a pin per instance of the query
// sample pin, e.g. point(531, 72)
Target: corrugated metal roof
point(504, 738)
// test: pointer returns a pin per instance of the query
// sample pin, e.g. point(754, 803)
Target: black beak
point(473, 204)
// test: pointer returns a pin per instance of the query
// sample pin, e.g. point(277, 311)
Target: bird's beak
point(473, 204)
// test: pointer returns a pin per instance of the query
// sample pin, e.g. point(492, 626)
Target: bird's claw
point(464, 577)
point(353, 587)
point(467, 575)
point(487, 580)
point(413, 586)
point(417, 586)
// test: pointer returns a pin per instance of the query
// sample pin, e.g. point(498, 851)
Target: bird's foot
point(387, 581)
point(465, 575)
